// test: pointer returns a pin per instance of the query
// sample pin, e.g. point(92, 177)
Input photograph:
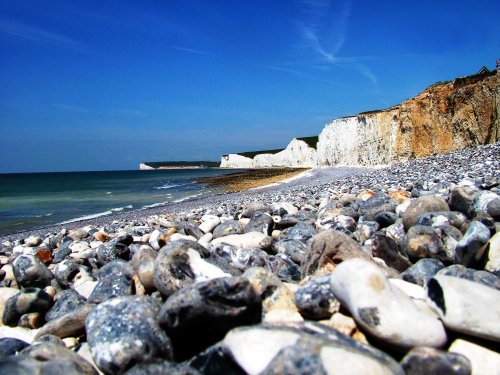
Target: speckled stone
point(422, 271)
point(124, 331)
point(315, 299)
point(115, 279)
point(469, 250)
point(65, 272)
point(30, 272)
point(260, 222)
point(67, 301)
point(212, 307)
point(114, 249)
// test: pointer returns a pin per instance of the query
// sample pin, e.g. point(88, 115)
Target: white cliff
point(297, 154)
point(445, 117)
point(358, 140)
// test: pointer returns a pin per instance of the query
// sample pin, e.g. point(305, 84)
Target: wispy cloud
point(129, 112)
point(333, 38)
point(70, 108)
point(190, 50)
point(28, 32)
point(277, 68)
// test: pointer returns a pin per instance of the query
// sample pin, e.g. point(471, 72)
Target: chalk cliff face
point(297, 154)
point(444, 117)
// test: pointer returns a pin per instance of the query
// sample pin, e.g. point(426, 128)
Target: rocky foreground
point(393, 271)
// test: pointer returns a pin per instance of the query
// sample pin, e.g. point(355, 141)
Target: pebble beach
point(342, 270)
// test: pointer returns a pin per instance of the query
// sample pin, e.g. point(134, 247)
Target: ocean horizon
point(33, 200)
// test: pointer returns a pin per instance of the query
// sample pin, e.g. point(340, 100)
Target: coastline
point(303, 179)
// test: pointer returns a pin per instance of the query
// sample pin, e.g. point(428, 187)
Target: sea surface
point(33, 200)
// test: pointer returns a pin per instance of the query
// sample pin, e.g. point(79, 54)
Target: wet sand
point(252, 178)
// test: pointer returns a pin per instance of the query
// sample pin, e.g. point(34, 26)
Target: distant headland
point(150, 165)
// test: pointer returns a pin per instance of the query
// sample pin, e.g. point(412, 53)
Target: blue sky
point(101, 85)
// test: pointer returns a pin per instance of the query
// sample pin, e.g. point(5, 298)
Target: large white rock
point(483, 361)
point(466, 306)
point(245, 241)
point(209, 222)
point(383, 309)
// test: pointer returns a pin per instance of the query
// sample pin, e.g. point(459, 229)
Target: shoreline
point(320, 175)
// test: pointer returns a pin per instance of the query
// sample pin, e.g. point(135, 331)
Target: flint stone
point(11, 346)
point(115, 249)
point(212, 307)
point(375, 205)
point(65, 272)
point(423, 361)
point(466, 306)
point(382, 309)
point(124, 331)
point(143, 262)
point(277, 300)
point(436, 219)
point(60, 254)
point(32, 241)
point(115, 279)
point(327, 249)
point(283, 267)
point(301, 231)
point(482, 277)
point(5, 294)
point(30, 272)
point(290, 220)
point(260, 222)
point(483, 360)
point(427, 203)
point(29, 300)
point(461, 198)
point(337, 222)
point(315, 299)
point(46, 358)
point(67, 301)
point(313, 349)
point(180, 264)
point(469, 250)
point(227, 228)
point(423, 241)
point(422, 271)
point(384, 218)
point(68, 325)
point(387, 249)
point(485, 200)
point(246, 241)
point(366, 230)
point(254, 207)
point(237, 258)
point(160, 367)
point(294, 249)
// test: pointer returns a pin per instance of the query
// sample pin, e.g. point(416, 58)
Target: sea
point(33, 200)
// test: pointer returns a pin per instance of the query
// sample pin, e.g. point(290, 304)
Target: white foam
point(87, 217)
point(168, 186)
